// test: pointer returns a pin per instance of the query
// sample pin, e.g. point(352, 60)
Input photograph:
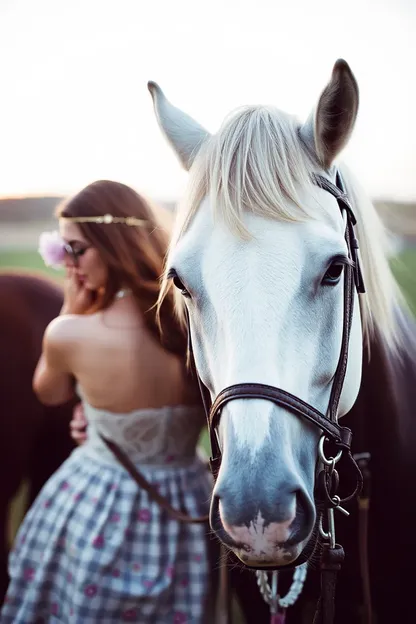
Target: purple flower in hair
point(51, 248)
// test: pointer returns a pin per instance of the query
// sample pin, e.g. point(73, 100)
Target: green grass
point(404, 269)
point(23, 259)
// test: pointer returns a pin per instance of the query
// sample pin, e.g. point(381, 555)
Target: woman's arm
point(53, 382)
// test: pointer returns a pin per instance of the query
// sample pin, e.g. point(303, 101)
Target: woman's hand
point(77, 299)
point(78, 424)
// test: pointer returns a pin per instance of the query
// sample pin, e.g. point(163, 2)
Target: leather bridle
point(337, 438)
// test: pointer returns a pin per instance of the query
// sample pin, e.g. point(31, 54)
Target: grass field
point(23, 259)
point(404, 269)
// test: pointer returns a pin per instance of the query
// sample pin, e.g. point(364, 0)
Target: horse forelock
point(257, 163)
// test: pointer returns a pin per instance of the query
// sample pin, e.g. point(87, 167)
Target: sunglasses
point(74, 252)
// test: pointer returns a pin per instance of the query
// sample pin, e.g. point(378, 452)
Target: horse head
point(260, 258)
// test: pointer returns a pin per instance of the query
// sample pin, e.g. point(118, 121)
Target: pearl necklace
point(123, 292)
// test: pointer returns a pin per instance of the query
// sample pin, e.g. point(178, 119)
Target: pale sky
point(74, 105)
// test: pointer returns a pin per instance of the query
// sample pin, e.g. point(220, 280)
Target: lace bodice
point(166, 435)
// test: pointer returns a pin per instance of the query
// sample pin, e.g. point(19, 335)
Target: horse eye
point(333, 274)
point(179, 285)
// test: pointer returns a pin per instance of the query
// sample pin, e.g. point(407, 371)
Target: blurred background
point(74, 105)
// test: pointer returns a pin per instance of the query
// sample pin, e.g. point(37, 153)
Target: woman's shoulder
point(91, 328)
point(69, 327)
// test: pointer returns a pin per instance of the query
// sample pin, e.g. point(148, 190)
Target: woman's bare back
point(120, 366)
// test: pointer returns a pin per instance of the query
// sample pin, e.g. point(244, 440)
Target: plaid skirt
point(94, 549)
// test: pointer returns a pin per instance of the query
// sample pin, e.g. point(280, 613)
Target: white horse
point(258, 256)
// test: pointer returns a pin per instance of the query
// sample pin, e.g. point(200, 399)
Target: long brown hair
point(134, 255)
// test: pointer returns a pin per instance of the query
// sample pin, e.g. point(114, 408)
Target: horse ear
point(329, 127)
point(184, 134)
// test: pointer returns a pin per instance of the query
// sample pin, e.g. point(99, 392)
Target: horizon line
point(175, 200)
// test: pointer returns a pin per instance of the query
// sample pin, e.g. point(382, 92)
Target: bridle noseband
point(338, 438)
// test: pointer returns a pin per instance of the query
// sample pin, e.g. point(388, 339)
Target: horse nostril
point(304, 519)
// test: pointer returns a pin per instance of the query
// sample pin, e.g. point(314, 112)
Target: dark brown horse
point(34, 439)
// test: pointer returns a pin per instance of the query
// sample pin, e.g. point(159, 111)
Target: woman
point(94, 547)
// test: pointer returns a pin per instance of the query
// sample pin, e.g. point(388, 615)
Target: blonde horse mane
point(256, 163)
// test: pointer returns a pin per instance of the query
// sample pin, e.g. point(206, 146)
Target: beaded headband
point(107, 219)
